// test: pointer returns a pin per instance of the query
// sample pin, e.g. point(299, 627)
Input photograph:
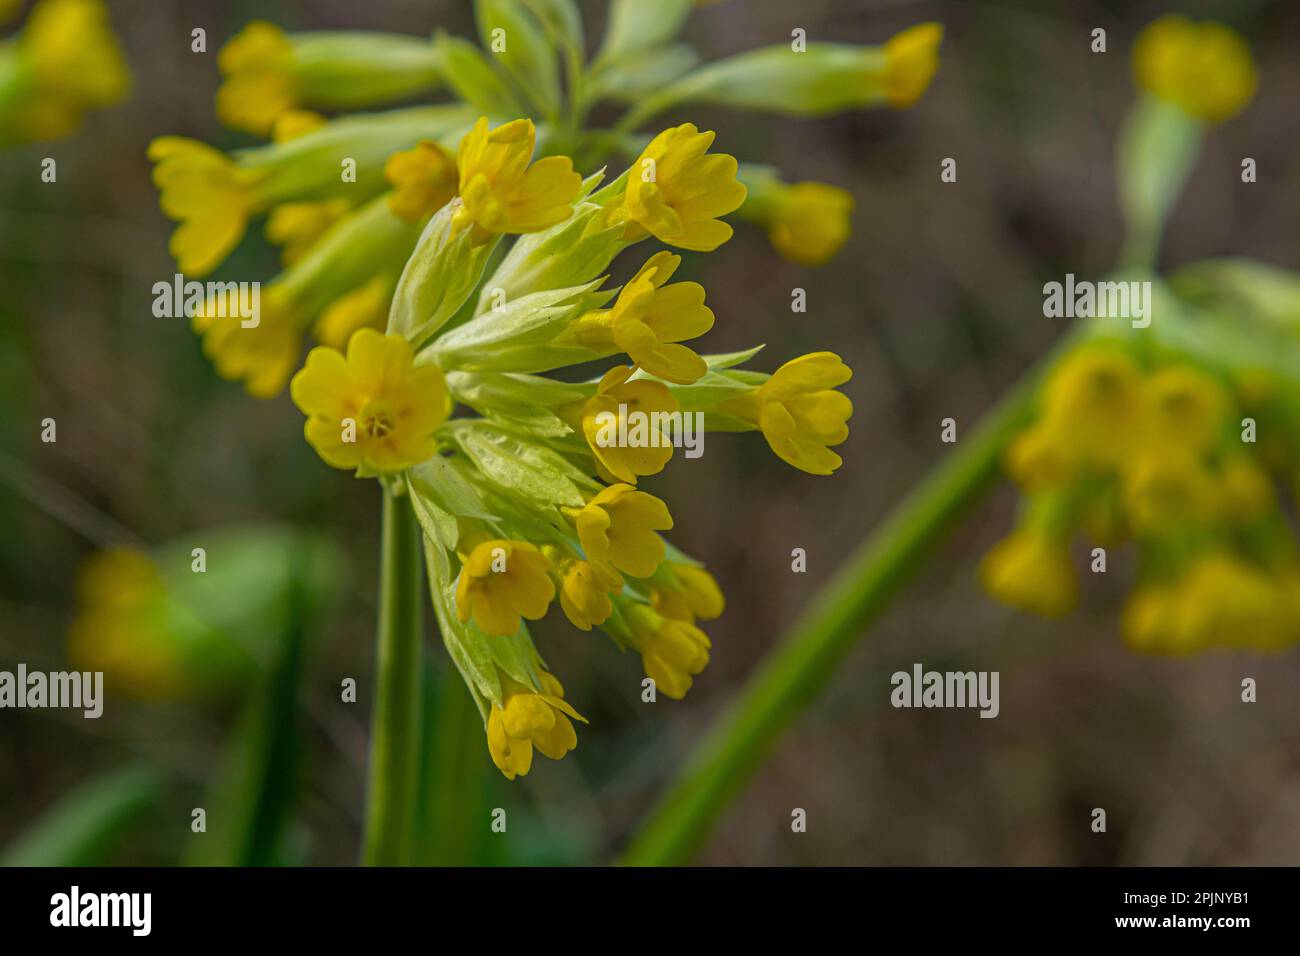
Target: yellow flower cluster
point(1159, 454)
point(447, 261)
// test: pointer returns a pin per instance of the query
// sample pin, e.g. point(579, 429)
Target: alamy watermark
point(633, 428)
point(922, 688)
point(82, 690)
point(242, 300)
point(75, 908)
point(1103, 300)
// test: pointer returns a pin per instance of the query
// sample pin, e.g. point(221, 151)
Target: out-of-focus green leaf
point(85, 824)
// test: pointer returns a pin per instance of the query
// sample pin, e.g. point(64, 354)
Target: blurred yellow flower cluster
point(1160, 454)
point(63, 63)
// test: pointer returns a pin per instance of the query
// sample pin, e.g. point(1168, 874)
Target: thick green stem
point(796, 671)
point(395, 727)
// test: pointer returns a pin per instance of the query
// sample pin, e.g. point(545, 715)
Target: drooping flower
point(585, 588)
point(799, 411)
point(261, 352)
point(809, 222)
point(500, 193)
point(618, 527)
point(618, 406)
point(531, 719)
point(258, 84)
point(1203, 68)
point(1094, 400)
point(911, 60)
point(649, 319)
point(365, 307)
point(673, 652)
point(208, 195)
point(375, 410)
point(73, 64)
point(677, 191)
point(686, 592)
point(1031, 570)
point(502, 581)
point(424, 180)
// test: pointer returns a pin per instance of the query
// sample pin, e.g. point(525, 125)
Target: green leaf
point(512, 35)
point(85, 824)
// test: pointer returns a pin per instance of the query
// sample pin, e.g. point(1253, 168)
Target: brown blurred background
point(935, 304)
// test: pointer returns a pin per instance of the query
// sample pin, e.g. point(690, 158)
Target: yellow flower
point(502, 581)
point(1220, 600)
point(1094, 401)
point(500, 193)
point(1167, 489)
point(297, 225)
point(584, 593)
point(1203, 68)
point(212, 200)
point(809, 222)
point(649, 318)
point(617, 405)
point(259, 83)
point(365, 307)
point(75, 62)
point(374, 410)
point(911, 59)
point(1031, 571)
point(800, 412)
point(1035, 459)
point(424, 180)
point(120, 625)
point(530, 719)
point(689, 593)
point(1244, 490)
point(676, 192)
point(262, 356)
point(1188, 410)
point(672, 651)
point(618, 527)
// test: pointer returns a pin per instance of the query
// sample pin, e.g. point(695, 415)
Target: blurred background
point(935, 303)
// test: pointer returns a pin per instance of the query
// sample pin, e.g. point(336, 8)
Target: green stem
point(395, 727)
point(805, 661)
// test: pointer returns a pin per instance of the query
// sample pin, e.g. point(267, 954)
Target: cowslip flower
point(262, 356)
point(809, 222)
point(500, 193)
point(1205, 69)
point(673, 652)
point(267, 72)
point(530, 720)
point(208, 195)
point(424, 180)
point(911, 60)
point(605, 415)
point(502, 581)
point(1031, 570)
point(799, 412)
point(686, 593)
point(619, 528)
point(676, 192)
point(65, 63)
point(649, 320)
point(365, 307)
point(374, 410)
point(585, 588)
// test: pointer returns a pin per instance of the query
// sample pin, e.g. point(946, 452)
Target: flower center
point(377, 420)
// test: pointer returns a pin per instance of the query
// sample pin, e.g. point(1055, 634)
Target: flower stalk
point(395, 727)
